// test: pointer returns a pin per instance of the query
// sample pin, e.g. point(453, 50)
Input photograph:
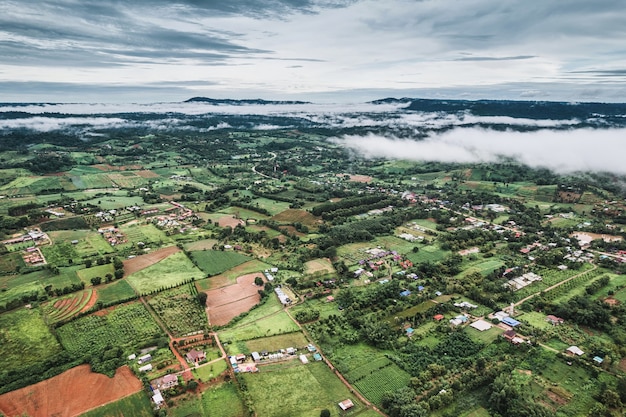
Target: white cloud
point(563, 151)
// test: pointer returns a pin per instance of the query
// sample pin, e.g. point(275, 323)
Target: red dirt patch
point(611, 301)
point(228, 302)
point(143, 261)
point(70, 394)
point(358, 178)
point(91, 302)
point(147, 174)
point(230, 221)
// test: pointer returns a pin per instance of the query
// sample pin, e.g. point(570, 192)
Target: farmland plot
point(115, 292)
point(25, 339)
point(179, 309)
point(213, 262)
point(126, 325)
point(171, 271)
point(68, 306)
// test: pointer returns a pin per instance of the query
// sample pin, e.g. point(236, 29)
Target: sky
point(318, 50)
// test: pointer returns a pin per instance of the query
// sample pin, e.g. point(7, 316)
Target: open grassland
point(126, 326)
point(297, 216)
point(272, 325)
point(101, 271)
point(428, 253)
point(535, 319)
point(484, 267)
point(10, 263)
point(275, 343)
point(213, 262)
point(61, 254)
point(485, 337)
point(200, 245)
point(25, 339)
point(273, 206)
point(230, 276)
point(115, 292)
point(319, 266)
point(92, 181)
point(89, 243)
point(147, 234)
point(209, 371)
point(68, 306)
point(273, 394)
point(179, 310)
point(171, 271)
point(136, 405)
point(320, 304)
point(219, 401)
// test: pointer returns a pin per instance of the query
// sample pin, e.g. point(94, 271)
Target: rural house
point(346, 404)
point(554, 320)
point(169, 381)
point(195, 356)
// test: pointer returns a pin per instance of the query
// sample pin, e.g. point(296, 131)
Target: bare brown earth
point(70, 394)
point(147, 174)
point(359, 178)
point(91, 302)
point(228, 302)
point(295, 215)
point(230, 221)
point(143, 261)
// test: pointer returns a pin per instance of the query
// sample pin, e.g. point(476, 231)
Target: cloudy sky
point(318, 50)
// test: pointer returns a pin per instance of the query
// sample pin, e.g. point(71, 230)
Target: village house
point(168, 381)
point(195, 356)
point(554, 320)
point(346, 404)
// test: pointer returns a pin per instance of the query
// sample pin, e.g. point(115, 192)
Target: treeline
point(326, 210)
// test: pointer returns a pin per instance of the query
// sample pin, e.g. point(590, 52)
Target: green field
point(10, 263)
point(89, 243)
point(484, 267)
point(273, 206)
point(136, 405)
point(234, 273)
point(276, 324)
point(179, 310)
point(125, 326)
point(275, 343)
point(25, 339)
point(60, 254)
point(115, 292)
point(297, 390)
point(101, 271)
point(171, 271)
point(428, 253)
point(213, 262)
point(486, 336)
point(218, 401)
point(209, 371)
point(383, 376)
point(148, 234)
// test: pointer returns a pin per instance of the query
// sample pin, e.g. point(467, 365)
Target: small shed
point(144, 359)
point(317, 356)
point(346, 404)
point(598, 359)
point(145, 368)
point(304, 359)
point(132, 357)
point(481, 325)
point(438, 317)
point(330, 299)
point(409, 331)
point(574, 350)
point(157, 397)
point(405, 293)
point(255, 356)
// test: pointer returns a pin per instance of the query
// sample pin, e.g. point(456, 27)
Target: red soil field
point(91, 302)
point(147, 174)
point(228, 302)
point(70, 394)
point(143, 261)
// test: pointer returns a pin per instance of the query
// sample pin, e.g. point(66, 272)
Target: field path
point(332, 368)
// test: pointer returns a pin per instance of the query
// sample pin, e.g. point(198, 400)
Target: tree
point(96, 280)
point(325, 413)
point(202, 297)
point(258, 281)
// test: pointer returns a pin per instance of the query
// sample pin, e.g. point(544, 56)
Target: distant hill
point(523, 109)
point(393, 100)
point(232, 102)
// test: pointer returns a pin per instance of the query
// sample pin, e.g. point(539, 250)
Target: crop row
point(126, 325)
point(367, 369)
point(71, 306)
point(389, 378)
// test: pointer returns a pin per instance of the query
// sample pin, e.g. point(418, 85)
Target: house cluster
point(33, 257)
point(36, 236)
point(513, 338)
point(522, 281)
point(165, 382)
point(112, 235)
point(175, 217)
point(244, 363)
point(410, 237)
point(269, 273)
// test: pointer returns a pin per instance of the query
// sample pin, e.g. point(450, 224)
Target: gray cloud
point(562, 151)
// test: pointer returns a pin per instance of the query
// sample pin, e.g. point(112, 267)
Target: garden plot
point(179, 310)
point(67, 307)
